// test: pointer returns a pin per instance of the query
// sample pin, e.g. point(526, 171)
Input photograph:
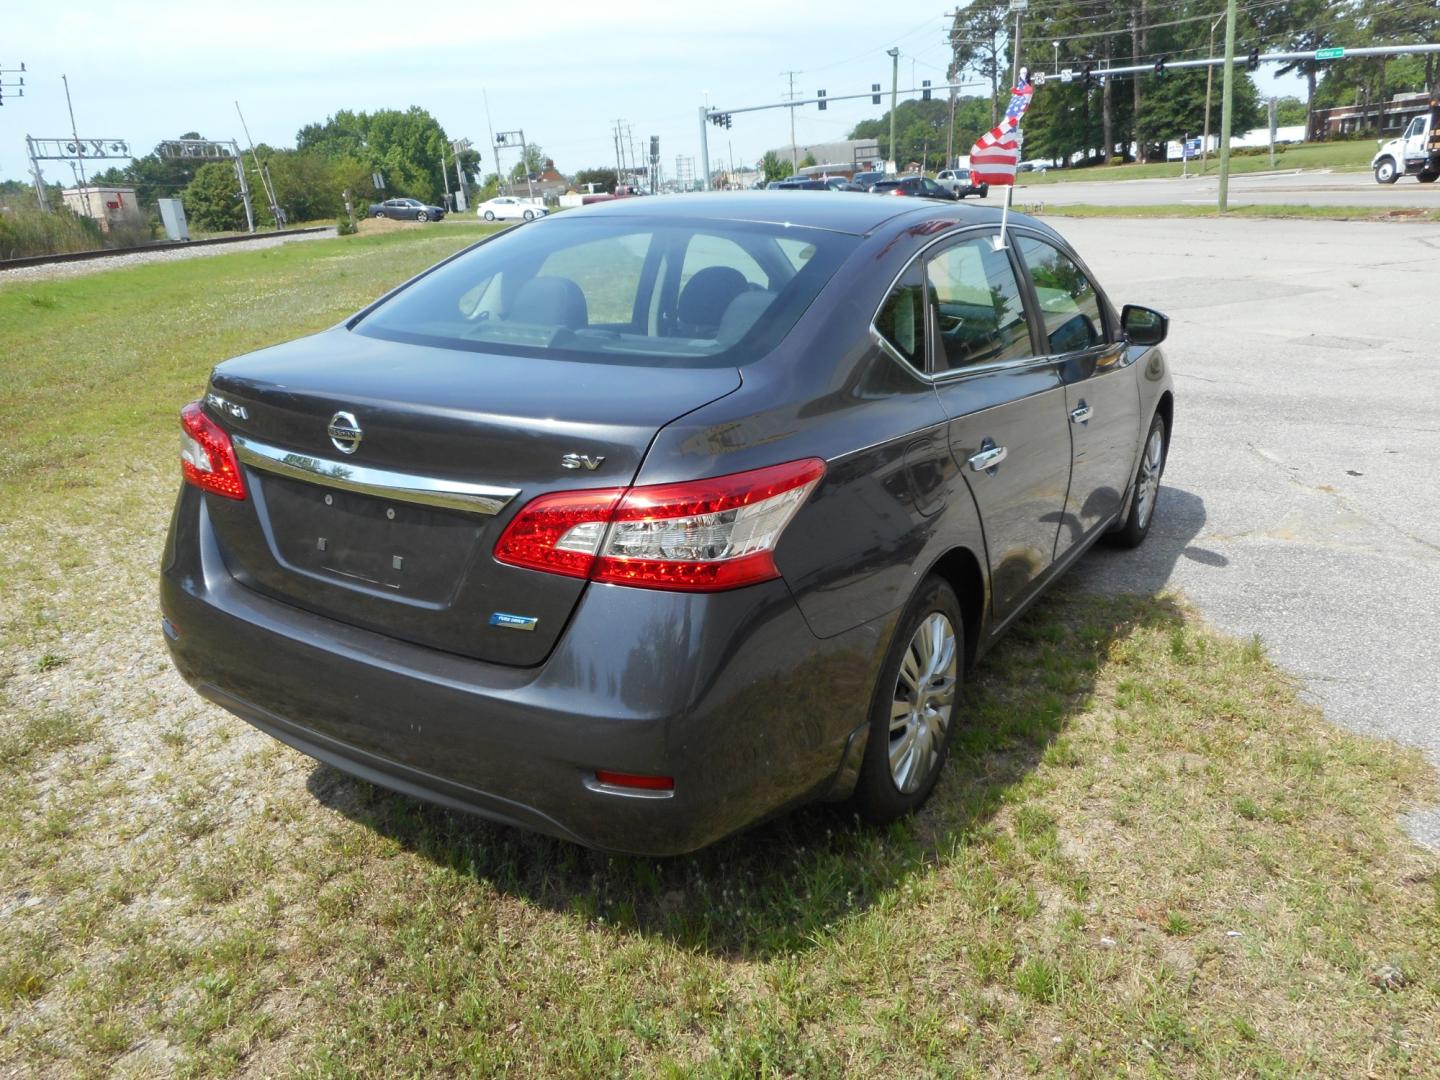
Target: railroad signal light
point(1160, 68)
point(874, 93)
point(1253, 60)
point(925, 90)
point(821, 95)
point(727, 120)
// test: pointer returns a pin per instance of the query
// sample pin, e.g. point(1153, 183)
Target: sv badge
point(581, 461)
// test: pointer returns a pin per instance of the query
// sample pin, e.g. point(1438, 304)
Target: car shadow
point(784, 885)
point(1150, 568)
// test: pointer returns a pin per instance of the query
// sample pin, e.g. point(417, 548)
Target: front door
point(1102, 399)
point(1008, 431)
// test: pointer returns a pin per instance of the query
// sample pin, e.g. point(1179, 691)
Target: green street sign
point(1329, 54)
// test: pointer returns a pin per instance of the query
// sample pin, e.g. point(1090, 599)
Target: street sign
point(1019, 5)
point(1329, 54)
point(1192, 148)
point(1067, 76)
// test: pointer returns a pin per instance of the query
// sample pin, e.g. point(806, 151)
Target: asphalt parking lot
point(1301, 500)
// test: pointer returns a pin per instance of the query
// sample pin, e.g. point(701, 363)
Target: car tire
point(379, 213)
point(529, 215)
point(916, 698)
point(985, 191)
point(489, 215)
point(1386, 172)
point(1145, 492)
point(422, 216)
point(1427, 177)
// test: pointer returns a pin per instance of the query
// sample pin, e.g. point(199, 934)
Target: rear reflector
point(631, 780)
point(207, 457)
point(699, 536)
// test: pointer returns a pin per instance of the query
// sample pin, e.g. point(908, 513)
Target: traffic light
point(925, 90)
point(1160, 68)
point(727, 120)
point(720, 119)
point(1087, 76)
point(654, 147)
point(1253, 60)
point(821, 95)
point(874, 93)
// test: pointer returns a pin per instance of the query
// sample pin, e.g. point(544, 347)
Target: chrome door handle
point(1081, 414)
point(987, 457)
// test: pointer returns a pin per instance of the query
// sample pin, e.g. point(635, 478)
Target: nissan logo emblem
point(344, 431)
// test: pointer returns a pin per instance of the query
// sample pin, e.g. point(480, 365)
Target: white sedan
point(507, 207)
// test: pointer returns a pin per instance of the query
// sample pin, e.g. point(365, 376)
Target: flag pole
point(1004, 218)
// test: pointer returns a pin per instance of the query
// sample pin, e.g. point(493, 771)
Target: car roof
point(851, 212)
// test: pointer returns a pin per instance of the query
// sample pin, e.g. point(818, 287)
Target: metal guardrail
point(168, 245)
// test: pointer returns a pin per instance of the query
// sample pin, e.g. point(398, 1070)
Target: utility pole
point(1227, 103)
point(950, 140)
point(1017, 6)
point(894, 54)
point(794, 152)
point(704, 148)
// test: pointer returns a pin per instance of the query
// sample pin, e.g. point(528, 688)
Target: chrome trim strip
point(407, 487)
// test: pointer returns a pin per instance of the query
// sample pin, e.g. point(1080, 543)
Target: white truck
point(1415, 153)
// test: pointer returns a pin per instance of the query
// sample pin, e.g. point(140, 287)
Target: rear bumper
point(729, 693)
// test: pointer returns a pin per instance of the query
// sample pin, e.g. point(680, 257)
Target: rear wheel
point(912, 717)
point(1428, 177)
point(379, 213)
point(1385, 171)
point(489, 215)
point(1146, 488)
point(529, 215)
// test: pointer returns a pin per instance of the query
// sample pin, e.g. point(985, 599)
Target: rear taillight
point(207, 457)
point(700, 536)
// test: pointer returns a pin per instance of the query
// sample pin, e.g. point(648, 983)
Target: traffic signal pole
point(705, 147)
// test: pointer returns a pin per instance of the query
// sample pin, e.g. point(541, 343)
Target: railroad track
point(169, 245)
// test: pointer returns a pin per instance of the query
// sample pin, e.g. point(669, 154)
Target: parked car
point(406, 210)
point(643, 523)
point(839, 183)
point(509, 208)
point(919, 186)
point(959, 183)
point(867, 180)
point(1038, 165)
point(799, 184)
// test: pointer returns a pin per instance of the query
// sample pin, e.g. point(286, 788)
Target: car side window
point(1069, 304)
point(978, 309)
point(901, 319)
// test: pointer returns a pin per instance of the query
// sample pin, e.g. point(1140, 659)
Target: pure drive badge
point(513, 622)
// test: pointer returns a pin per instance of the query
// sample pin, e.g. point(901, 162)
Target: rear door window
point(978, 307)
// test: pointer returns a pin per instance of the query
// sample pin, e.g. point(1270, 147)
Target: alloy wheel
point(923, 702)
point(1151, 465)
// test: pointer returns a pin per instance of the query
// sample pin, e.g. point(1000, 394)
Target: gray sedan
point(655, 518)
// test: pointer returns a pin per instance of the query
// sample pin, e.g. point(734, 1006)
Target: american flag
point(995, 154)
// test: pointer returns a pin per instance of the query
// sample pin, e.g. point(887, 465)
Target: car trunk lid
point(381, 474)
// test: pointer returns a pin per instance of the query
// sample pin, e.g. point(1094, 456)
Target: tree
point(808, 161)
point(978, 39)
point(774, 167)
point(212, 199)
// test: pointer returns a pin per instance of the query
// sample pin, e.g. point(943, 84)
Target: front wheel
point(912, 716)
point(489, 215)
point(1146, 488)
point(422, 216)
point(529, 215)
point(984, 191)
point(1386, 172)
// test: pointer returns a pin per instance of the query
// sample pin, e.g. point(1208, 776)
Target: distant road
point(1292, 188)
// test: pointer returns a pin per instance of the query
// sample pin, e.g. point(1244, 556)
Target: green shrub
point(344, 226)
point(28, 230)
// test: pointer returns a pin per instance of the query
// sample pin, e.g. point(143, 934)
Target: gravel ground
point(116, 262)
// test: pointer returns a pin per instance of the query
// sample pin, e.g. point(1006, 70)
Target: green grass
point(1148, 856)
point(1341, 156)
point(1185, 210)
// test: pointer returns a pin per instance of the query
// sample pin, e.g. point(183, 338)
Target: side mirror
point(1143, 325)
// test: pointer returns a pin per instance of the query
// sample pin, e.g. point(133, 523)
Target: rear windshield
point(632, 290)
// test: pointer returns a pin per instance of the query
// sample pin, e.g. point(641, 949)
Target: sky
point(563, 71)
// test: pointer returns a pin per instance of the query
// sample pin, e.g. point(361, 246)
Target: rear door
point(1102, 397)
point(1008, 430)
